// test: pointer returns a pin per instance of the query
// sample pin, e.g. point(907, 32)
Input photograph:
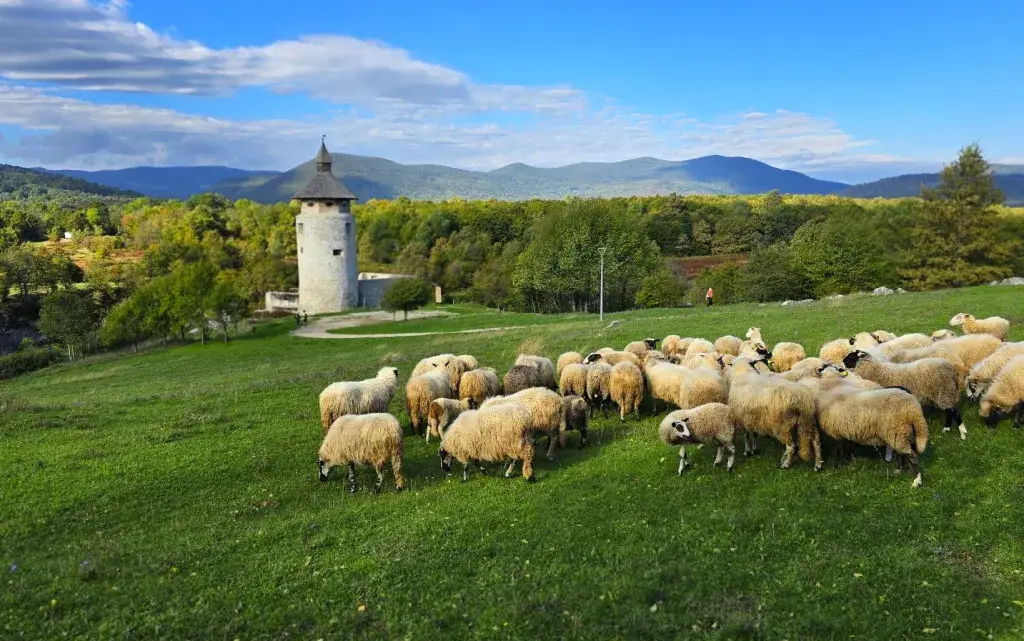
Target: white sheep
point(994, 325)
point(835, 351)
point(450, 363)
point(567, 358)
point(728, 344)
point(889, 416)
point(964, 352)
point(478, 385)
point(711, 424)
point(547, 411)
point(670, 344)
point(701, 386)
point(1005, 394)
point(699, 345)
point(626, 387)
point(543, 365)
point(664, 381)
point(363, 439)
point(370, 396)
point(421, 390)
point(931, 380)
point(599, 378)
point(493, 435)
point(983, 373)
point(573, 380)
point(612, 358)
point(442, 412)
point(786, 355)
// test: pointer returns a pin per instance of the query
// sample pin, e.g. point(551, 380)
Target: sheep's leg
point(949, 421)
point(729, 464)
point(718, 456)
point(511, 469)
point(380, 480)
point(787, 457)
point(1018, 422)
point(622, 413)
point(528, 466)
point(480, 466)
point(552, 446)
point(748, 449)
point(465, 472)
point(682, 459)
point(396, 469)
point(583, 436)
point(888, 453)
point(959, 420)
point(352, 478)
point(915, 469)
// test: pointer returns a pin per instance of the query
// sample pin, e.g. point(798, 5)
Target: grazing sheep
point(964, 352)
point(574, 380)
point(931, 380)
point(567, 358)
point(452, 364)
point(1005, 394)
point(546, 409)
point(754, 335)
point(887, 416)
point(599, 378)
point(613, 358)
point(477, 385)
point(728, 345)
point(441, 413)
point(576, 418)
point(363, 439)
point(701, 386)
point(698, 346)
point(883, 335)
point(983, 373)
point(640, 348)
point(626, 388)
point(606, 350)
point(670, 344)
point(494, 435)
point(994, 325)
point(835, 351)
point(421, 391)
point(526, 374)
point(682, 345)
point(942, 334)
point(786, 355)
point(712, 424)
point(371, 396)
point(543, 365)
point(664, 381)
point(867, 340)
point(772, 406)
point(903, 343)
point(430, 363)
point(726, 359)
point(701, 359)
point(468, 361)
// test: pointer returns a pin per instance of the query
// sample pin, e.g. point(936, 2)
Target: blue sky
point(849, 92)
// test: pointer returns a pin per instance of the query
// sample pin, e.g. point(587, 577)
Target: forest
point(142, 269)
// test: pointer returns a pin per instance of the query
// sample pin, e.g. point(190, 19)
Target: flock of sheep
point(866, 390)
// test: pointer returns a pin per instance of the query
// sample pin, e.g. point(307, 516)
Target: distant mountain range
point(20, 183)
point(370, 177)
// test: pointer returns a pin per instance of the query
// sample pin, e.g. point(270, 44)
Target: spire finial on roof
point(323, 159)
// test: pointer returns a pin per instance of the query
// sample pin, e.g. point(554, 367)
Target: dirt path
point(319, 328)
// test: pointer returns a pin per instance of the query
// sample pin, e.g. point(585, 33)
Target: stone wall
point(372, 287)
point(281, 301)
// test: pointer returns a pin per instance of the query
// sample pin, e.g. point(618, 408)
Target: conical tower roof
point(323, 185)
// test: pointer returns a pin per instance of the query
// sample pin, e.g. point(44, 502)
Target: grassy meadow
point(173, 495)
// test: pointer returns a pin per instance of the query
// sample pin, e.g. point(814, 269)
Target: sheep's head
point(652, 342)
point(855, 357)
point(592, 358)
point(763, 353)
point(830, 369)
point(675, 359)
point(942, 334)
point(323, 470)
point(959, 319)
point(682, 431)
point(754, 331)
point(446, 459)
point(878, 339)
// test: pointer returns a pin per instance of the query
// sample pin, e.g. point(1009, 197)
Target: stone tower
point(325, 231)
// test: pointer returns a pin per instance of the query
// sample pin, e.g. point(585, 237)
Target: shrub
point(770, 275)
point(662, 289)
point(27, 359)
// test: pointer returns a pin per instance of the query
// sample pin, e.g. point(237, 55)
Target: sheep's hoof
point(731, 470)
point(399, 488)
point(531, 479)
point(946, 429)
point(963, 432)
point(917, 482)
point(352, 489)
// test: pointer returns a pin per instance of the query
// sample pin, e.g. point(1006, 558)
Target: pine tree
point(955, 239)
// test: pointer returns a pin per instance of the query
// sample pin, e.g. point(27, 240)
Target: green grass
point(173, 495)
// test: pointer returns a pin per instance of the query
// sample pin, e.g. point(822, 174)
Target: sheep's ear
point(853, 339)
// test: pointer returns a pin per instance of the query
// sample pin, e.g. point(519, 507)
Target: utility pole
point(601, 251)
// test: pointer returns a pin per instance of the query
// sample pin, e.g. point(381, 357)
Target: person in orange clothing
point(709, 298)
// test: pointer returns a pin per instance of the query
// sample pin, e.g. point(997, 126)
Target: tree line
point(146, 269)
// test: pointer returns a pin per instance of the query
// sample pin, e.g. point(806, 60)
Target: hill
point(20, 183)
point(370, 177)
point(174, 494)
point(1009, 178)
point(166, 182)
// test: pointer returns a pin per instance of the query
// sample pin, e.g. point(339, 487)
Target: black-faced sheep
point(640, 348)
point(626, 387)
point(478, 385)
point(931, 380)
point(363, 439)
point(441, 413)
point(1005, 394)
point(712, 424)
point(493, 435)
point(613, 358)
point(421, 390)
point(994, 325)
point(964, 352)
point(358, 397)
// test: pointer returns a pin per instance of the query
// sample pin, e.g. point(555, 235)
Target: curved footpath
point(320, 327)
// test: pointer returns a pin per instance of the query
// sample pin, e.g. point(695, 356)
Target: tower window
point(300, 228)
point(329, 203)
point(310, 203)
point(337, 252)
point(348, 229)
point(300, 249)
